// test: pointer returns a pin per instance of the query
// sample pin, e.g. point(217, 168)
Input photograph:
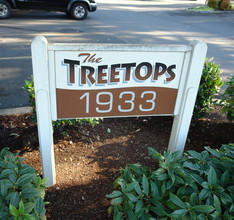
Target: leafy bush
point(225, 4)
point(227, 102)
point(209, 86)
point(219, 4)
point(29, 87)
point(190, 186)
point(213, 3)
point(22, 191)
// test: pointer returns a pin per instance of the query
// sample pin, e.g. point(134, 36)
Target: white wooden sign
point(109, 80)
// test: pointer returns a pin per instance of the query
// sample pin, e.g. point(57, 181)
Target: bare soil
point(88, 159)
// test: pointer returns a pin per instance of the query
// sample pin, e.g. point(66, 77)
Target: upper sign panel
point(99, 83)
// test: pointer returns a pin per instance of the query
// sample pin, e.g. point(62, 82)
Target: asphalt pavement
point(117, 21)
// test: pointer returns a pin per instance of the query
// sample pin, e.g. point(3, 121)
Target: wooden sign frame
point(57, 68)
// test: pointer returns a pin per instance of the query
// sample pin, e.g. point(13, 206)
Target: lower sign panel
point(134, 101)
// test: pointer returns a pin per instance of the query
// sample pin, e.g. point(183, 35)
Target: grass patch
point(202, 8)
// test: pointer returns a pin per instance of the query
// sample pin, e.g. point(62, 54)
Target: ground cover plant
point(227, 102)
point(224, 5)
point(210, 85)
point(22, 191)
point(190, 186)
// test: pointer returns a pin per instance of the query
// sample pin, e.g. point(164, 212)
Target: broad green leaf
point(117, 201)
point(171, 175)
point(179, 213)
point(212, 176)
point(195, 154)
point(131, 186)
point(197, 178)
point(225, 178)
point(163, 188)
point(155, 154)
point(138, 189)
point(218, 189)
point(204, 194)
point(159, 171)
point(39, 205)
point(231, 208)
point(203, 208)
point(13, 210)
point(201, 216)
point(193, 198)
point(154, 188)
point(205, 185)
point(29, 193)
point(114, 194)
point(213, 152)
point(217, 204)
point(131, 215)
point(127, 174)
point(4, 215)
point(192, 215)
point(136, 168)
point(29, 207)
point(191, 165)
point(28, 217)
point(163, 176)
point(158, 211)
point(225, 198)
point(6, 173)
point(176, 200)
point(168, 158)
point(12, 178)
point(215, 215)
point(119, 216)
point(204, 155)
point(27, 170)
point(24, 179)
point(145, 185)
point(179, 179)
point(132, 197)
point(4, 189)
point(21, 207)
point(15, 199)
point(139, 206)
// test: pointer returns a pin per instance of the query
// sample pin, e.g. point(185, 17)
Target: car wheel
point(5, 9)
point(79, 11)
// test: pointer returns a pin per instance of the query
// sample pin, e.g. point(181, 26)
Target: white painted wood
point(183, 77)
point(52, 84)
point(119, 47)
point(42, 93)
point(182, 121)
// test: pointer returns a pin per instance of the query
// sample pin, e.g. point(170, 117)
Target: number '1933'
point(127, 100)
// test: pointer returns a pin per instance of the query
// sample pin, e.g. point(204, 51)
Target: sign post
point(108, 80)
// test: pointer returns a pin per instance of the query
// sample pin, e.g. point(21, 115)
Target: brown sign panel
point(134, 101)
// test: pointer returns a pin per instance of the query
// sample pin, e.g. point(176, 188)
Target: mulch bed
point(88, 159)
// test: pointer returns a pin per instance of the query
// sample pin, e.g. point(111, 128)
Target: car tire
point(5, 9)
point(79, 11)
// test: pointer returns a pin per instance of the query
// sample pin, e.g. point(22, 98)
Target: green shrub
point(213, 3)
point(225, 5)
point(29, 87)
point(209, 86)
point(22, 191)
point(227, 103)
point(190, 186)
